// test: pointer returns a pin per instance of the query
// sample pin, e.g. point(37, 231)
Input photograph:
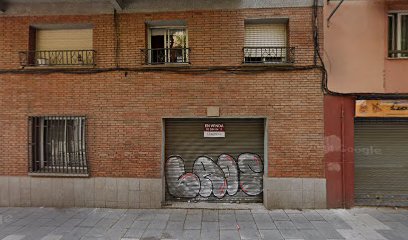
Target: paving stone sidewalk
point(85, 223)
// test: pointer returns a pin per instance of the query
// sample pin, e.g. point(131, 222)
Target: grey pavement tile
point(172, 234)
point(271, 235)
point(175, 225)
point(115, 233)
point(371, 222)
point(14, 237)
point(191, 234)
point(157, 224)
point(90, 221)
point(134, 233)
point(327, 230)
point(300, 221)
point(284, 225)
point(227, 217)
point(249, 231)
point(8, 230)
point(351, 234)
point(193, 222)
point(291, 234)
point(210, 216)
point(336, 221)
point(145, 216)
point(34, 232)
point(229, 235)
point(226, 211)
point(309, 234)
point(139, 224)
point(71, 223)
point(278, 215)
point(192, 225)
point(178, 215)
point(263, 221)
point(292, 211)
point(393, 235)
point(228, 225)
point(162, 216)
point(244, 216)
point(382, 217)
point(152, 234)
point(106, 223)
point(210, 231)
point(52, 237)
point(312, 215)
point(125, 222)
point(76, 233)
point(195, 212)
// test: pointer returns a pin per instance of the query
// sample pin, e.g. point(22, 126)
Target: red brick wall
point(125, 112)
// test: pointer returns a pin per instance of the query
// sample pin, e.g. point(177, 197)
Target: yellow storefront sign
point(382, 108)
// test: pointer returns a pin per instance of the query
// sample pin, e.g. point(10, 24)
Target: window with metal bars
point(398, 35)
point(57, 145)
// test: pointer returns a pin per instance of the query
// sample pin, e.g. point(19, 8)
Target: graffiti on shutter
point(226, 177)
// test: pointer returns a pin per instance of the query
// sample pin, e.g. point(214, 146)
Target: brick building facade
point(127, 105)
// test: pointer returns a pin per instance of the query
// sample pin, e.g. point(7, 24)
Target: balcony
point(165, 56)
point(57, 58)
point(269, 55)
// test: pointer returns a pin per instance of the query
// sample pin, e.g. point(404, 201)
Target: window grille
point(57, 145)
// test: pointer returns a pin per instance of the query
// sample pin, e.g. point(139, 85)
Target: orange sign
point(382, 108)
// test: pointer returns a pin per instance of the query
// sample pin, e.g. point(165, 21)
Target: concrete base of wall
point(80, 192)
point(294, 193)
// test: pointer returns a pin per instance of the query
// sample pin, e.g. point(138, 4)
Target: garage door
point(214, 169)
point(381, 162)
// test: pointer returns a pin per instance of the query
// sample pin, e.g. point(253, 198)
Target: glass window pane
point(404, 32)
point(177, 38)
point(390, 34)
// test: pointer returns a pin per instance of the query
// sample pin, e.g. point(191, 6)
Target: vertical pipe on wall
point(343, 185)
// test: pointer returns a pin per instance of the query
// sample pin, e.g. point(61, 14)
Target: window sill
point(69, 175)
point(397, 58)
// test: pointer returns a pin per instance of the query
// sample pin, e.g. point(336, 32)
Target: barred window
point(57, 145)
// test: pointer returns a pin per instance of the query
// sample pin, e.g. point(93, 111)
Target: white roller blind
point(64, 39)
point(265, 35)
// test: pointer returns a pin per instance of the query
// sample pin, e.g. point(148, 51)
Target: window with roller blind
point(266, 41)
point(59, 45)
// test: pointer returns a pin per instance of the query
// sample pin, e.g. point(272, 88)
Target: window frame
point(396, 40)
point(166, 30)
point(59, 163)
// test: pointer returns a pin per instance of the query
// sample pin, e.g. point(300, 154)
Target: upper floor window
point(266, 41)
point(398, 35)
point(56, 45)
point(57, 145)
point(167, 44)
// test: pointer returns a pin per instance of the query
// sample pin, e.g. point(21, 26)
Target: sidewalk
point(71, 223)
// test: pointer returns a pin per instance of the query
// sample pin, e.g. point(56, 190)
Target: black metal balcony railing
point(58, 58)
point(398, 54)
point(165, 55)
point(273, 55)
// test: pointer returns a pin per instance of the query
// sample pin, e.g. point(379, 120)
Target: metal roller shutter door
point(226, 169)
point(381, 162)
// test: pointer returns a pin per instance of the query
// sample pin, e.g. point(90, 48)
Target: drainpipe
point(343, 149)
